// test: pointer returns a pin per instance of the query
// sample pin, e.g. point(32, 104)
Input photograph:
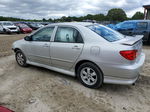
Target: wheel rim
point(88, 76)
point(20, 58)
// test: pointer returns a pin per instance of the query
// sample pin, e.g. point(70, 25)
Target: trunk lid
point(135, 42)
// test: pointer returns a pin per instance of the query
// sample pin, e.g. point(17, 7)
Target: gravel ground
point(35, 89)
point(6, 43)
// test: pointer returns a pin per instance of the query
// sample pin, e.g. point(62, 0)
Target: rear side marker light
point(129, 54)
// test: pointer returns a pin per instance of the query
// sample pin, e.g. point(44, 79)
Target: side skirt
point(70, 73)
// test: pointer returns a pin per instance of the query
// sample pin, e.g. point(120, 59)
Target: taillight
point(129, 54)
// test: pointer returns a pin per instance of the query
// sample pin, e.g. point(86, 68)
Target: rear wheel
point(20, 58)
point(90, 75)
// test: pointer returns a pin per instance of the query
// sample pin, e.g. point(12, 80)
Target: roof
point(146, 6)
point(73, 23)
point(137, 21)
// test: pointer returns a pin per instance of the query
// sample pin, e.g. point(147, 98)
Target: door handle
point(45, 45)
point(76, 47)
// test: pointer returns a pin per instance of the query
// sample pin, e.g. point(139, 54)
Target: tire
point(4, 30)
point(18, 32)
point(90, 75)
point(20, 58)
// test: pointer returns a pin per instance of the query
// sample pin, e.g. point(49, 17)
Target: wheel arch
point(84, 61)
point(16, 49)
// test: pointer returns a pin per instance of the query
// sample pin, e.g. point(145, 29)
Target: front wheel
point(90, 75)
point(20, 58)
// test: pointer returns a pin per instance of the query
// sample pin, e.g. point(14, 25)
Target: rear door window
point(128, 25)
point(142, 25)
point(68, 35)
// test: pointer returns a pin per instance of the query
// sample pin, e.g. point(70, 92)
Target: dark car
point(135, 27)
point(34, 26)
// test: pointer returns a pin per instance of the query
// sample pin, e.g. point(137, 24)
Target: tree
point(138, 15)
point(50, 19)
point(116, 14)
point(63, 18)
point(89, 16)
point(44, 19)
point(99, 17)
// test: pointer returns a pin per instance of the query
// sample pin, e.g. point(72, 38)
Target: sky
point(38, 9)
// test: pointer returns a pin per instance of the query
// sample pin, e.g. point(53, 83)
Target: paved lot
point(35, 89)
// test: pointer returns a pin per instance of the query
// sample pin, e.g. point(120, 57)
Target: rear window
point(107, 33)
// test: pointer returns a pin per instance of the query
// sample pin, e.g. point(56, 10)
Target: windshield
point(107, 33)
point(119, 25)
point(7, 24)
point(23, 26)
point(34, 24)
point(126, 25)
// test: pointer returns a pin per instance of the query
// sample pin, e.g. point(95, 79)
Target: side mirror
point(28, 38)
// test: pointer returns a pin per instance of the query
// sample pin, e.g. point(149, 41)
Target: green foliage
point(44, 19)
point(16, 19)
point(116, 14)
point(9, 19)
point(97, 17)
point(138, 15)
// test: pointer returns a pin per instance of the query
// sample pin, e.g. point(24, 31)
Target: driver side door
point(38, 49)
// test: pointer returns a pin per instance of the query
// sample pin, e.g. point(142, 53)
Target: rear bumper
point(121, 81)
point(124, 74)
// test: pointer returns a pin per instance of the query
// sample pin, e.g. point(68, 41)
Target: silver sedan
point(92, 52)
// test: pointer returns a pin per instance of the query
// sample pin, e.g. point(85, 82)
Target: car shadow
point(143, 80)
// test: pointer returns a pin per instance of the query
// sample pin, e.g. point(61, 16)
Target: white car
point(8, 27)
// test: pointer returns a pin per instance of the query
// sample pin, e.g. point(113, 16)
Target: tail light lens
point(130, 54)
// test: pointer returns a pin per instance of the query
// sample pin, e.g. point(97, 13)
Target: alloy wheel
point(88, 76)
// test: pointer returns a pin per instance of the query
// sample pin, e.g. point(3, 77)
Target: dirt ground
point(6, 43)
point(35, 89)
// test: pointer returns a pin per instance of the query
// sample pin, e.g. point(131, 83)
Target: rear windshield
point(107, 33)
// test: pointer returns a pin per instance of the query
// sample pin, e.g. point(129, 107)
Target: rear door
point(66, 47)
point(127, 28)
